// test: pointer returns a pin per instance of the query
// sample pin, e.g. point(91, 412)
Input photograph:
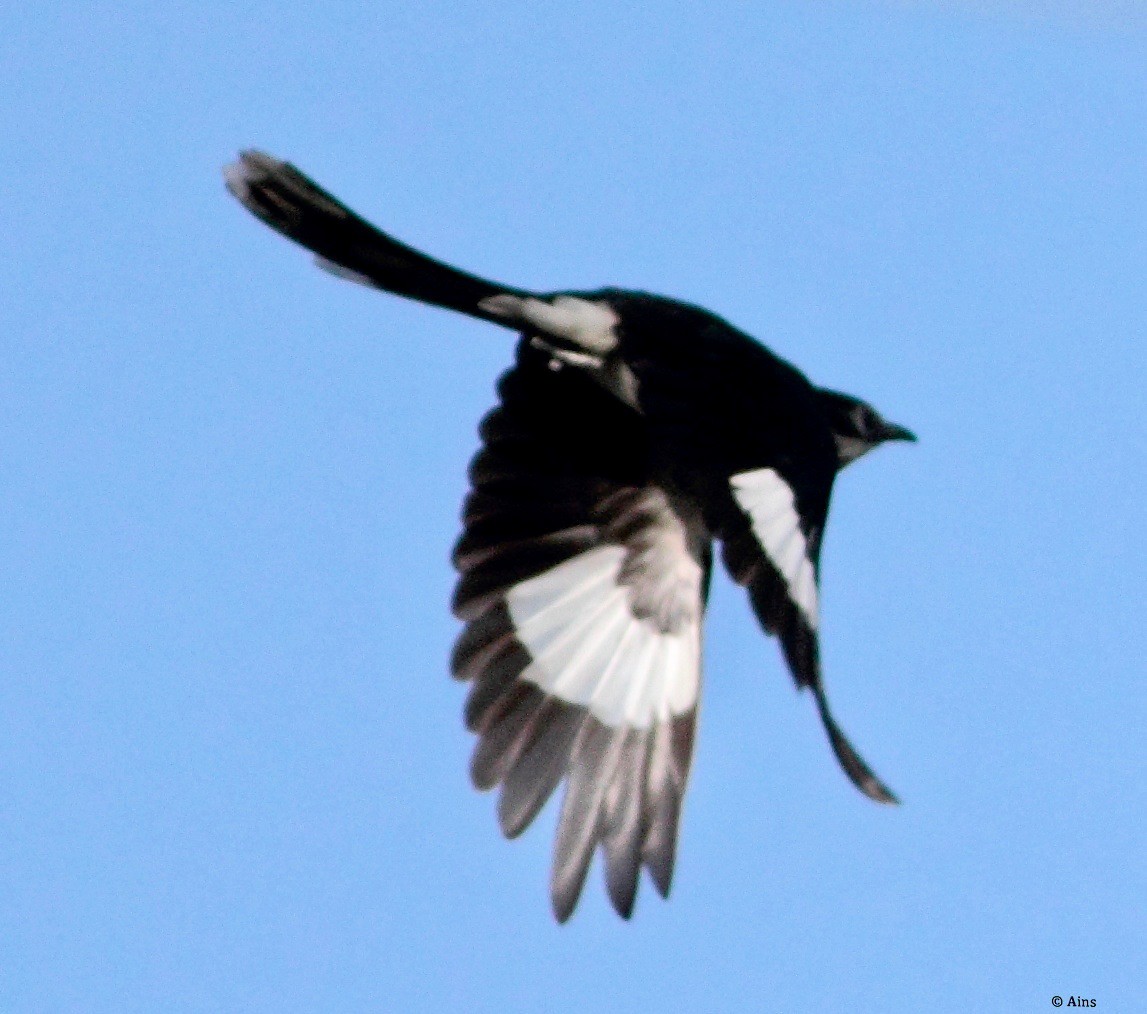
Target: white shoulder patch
point(768, 501)
point(588, 647)
point(589, 324)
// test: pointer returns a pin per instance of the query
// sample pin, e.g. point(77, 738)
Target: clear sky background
point(232, 765)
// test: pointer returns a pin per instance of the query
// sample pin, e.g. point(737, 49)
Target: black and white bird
point(631, 433)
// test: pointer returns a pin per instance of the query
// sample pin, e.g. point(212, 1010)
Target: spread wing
point(771, 535)
point(582, 586)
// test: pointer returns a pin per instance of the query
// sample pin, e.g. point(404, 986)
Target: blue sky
point(232, 766)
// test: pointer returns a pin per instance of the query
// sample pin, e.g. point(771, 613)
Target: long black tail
point(347, 245)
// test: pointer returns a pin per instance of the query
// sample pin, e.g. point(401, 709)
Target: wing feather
point(582, 588)
point(771, 544)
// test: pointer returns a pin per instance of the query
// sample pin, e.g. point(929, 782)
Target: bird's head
point(857, 427)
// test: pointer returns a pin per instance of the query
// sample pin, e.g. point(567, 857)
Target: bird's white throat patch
point(769, 502)
point(588, 324)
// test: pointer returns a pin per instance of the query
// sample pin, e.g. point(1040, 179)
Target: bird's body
point(633, 434)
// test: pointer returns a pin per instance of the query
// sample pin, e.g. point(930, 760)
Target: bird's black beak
point(893, 432)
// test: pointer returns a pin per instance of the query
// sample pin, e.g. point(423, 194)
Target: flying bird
point(631, 434)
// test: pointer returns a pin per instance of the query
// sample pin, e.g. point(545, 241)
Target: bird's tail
point(348, 245)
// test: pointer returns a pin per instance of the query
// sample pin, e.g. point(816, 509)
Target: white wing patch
point(589, 649)
point(769, 502)
point(586, 323)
